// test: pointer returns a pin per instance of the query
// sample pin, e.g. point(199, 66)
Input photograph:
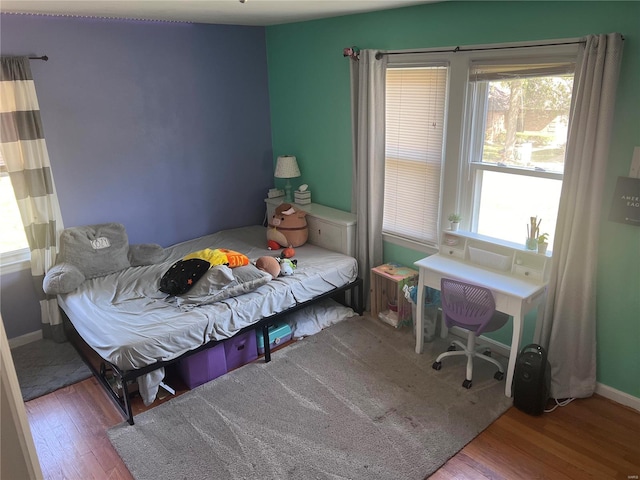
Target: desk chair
point(472, 308)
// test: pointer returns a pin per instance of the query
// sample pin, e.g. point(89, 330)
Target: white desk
point(513, 296)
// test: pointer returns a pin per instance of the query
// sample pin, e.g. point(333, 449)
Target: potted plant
point(454, 218)
point(542, 243)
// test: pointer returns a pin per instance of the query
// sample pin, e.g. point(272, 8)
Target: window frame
point(17, 260)
point(457, 183)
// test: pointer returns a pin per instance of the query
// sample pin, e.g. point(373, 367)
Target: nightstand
point(329, 228)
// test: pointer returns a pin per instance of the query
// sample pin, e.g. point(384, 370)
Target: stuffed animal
point(273, 245)
point(94, 251)
point(288, 226)
point(287, 266)
point(269, 265)
point(220, 256)
point(288, 252)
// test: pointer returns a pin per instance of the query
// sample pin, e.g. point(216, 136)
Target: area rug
point(353, 401)
point(45, 366)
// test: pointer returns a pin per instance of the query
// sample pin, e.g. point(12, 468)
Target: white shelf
point(494, 254)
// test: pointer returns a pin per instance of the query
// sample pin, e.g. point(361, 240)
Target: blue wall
point(163, 127)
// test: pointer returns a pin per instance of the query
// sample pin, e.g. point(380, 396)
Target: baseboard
point(24, 339)
point(618, 396)
point(603, 390)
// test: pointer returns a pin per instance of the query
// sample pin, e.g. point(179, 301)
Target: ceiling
point(235, 12)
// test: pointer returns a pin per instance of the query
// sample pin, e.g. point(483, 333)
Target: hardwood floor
point(589, 438)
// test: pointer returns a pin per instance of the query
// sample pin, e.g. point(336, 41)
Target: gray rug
point(353, 401)
point(45, 366)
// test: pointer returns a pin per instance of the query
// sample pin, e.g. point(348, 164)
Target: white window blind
point(415, 116)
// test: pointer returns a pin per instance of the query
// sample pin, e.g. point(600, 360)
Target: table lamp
point(287, 167)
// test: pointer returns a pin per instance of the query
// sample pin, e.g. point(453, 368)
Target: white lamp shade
point(287, 167)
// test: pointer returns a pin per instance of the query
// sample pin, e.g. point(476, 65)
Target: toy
point(288, 226)
point(269, 265)
point(287, 266)
point(273, 245)
point(220, 256)
point(94, 251)
point(288, 252)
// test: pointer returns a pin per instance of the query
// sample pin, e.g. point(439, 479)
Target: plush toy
point(269, 265)
point(94, 251)
point(220, 256)
point(288, 252)
point(273, 245)
point(287, 266)
point(288, 226)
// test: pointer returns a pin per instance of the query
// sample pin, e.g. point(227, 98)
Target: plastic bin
point(430, 311)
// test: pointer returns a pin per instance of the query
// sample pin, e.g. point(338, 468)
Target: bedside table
point(329, 228)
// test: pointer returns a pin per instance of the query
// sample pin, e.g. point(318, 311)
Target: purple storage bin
point(240, 349)
point(203, 366)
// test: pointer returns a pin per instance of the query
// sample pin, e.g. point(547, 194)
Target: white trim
point(25, 339)
point(601, 389)
point(618, 396)
point(15, 261)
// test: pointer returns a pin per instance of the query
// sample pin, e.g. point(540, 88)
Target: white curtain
point(569, 326)
point(25, 153)
point(367, 197)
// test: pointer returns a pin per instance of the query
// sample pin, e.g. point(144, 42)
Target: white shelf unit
point(495, 254)
point(330, 228)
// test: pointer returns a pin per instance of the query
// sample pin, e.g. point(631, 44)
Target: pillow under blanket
point(222, 282)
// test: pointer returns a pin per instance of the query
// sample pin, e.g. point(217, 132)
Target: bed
point(136, 330)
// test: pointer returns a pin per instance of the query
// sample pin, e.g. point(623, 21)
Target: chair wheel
point(436, 365)
point(499, 376)
point(467, 384)
point(452, 348)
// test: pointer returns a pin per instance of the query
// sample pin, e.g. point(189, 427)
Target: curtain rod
point(43, 57)
point(379, 55)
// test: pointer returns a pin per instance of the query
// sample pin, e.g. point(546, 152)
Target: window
point(13, 241)
point(498, 158)
point(415, 108)
point(518, 134)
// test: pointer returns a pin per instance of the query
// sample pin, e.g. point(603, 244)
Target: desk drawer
point(527, 272)
point(451, 252)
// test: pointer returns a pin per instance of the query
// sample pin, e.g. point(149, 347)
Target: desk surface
point(499, 282)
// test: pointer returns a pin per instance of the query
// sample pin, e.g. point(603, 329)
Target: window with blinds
point(415, 116)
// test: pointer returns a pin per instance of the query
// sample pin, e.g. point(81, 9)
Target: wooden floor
point(589, 438)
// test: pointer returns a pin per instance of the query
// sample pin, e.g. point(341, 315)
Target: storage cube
point(203, 366)
point(240, 349)
point(278, 333)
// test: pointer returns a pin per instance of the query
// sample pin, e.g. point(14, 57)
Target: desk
point(514, 296)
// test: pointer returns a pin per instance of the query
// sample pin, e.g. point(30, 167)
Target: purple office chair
point(472, 308)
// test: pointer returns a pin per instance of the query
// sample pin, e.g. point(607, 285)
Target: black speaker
point(532, 380)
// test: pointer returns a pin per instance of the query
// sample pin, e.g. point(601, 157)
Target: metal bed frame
point(113, 379)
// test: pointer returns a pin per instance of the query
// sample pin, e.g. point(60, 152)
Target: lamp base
point(287, 192)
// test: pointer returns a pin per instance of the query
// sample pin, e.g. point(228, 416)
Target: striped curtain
point(25, 153)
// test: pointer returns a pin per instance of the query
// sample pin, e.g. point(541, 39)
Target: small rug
point(353, 401)
point(45, 366)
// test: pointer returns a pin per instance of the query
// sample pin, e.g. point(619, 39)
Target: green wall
point(310, 118)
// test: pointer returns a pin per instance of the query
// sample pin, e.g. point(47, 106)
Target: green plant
point(455, 217)
point(543, 238)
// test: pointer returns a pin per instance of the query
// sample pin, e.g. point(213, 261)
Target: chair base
point(471, 351)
